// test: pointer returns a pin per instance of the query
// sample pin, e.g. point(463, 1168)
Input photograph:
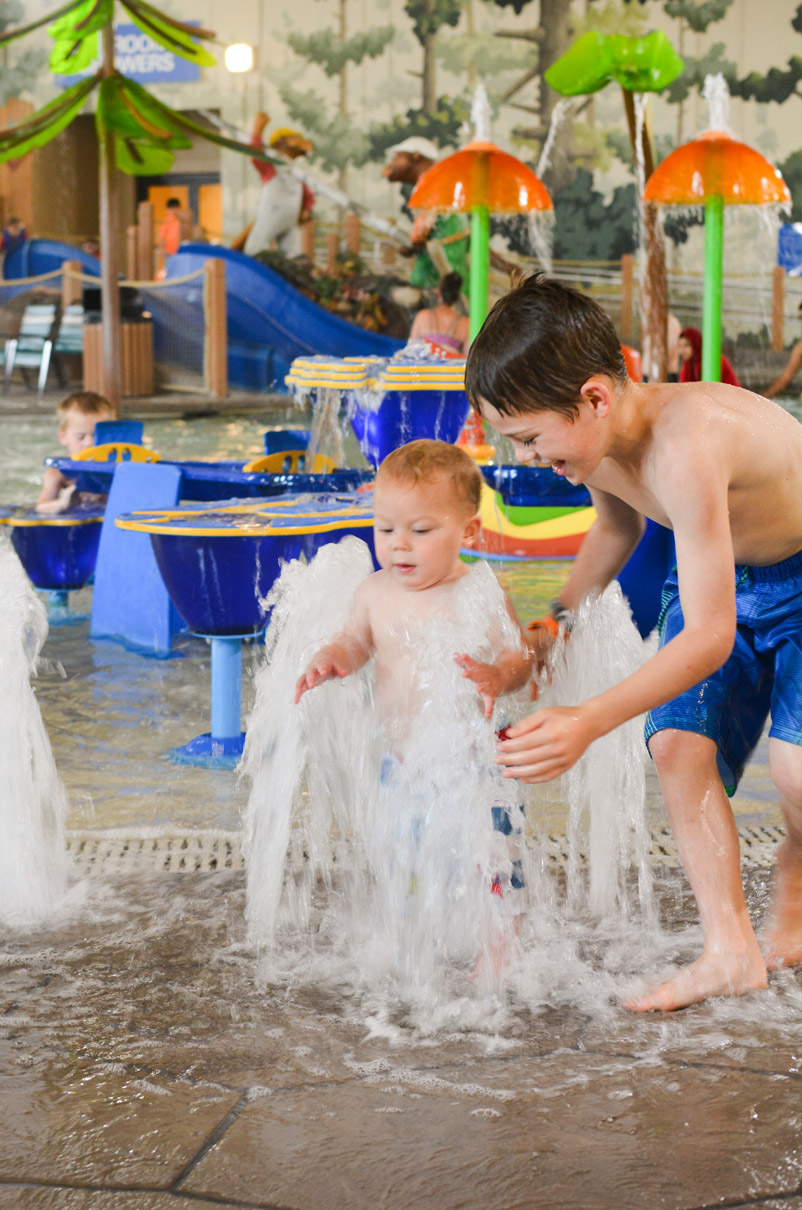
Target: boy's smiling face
point(573, 449)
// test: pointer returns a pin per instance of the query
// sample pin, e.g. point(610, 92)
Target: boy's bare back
point(680, 448)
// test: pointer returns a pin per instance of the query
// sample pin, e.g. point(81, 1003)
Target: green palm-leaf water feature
point(136, 133)
point(639, 65)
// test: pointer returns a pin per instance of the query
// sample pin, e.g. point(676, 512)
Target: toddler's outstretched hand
point(322, 668)
point(486, 677)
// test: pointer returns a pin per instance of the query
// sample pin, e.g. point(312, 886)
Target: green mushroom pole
point(480, 268)
point(711, 304)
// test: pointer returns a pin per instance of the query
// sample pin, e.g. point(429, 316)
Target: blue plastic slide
point(269, 322)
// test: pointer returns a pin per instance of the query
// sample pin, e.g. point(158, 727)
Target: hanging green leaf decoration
point(173, 35)
point(137, 158)
point(46, 123)
point(158, 112)
point(75, 36)
point(144, 138)
point(69, 57)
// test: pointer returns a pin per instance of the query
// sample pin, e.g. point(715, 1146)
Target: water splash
point(480, 115)
point(717, 94)
point(541, 233)
point(326, 434)
point(389, 819)
point(371, 849)
point(606, 791)
point(33, 859)
point(558, 114)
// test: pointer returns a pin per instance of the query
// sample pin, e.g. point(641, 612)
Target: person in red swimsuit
point(690, 353)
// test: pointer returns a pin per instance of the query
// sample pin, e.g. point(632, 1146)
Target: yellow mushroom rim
point(252, 520)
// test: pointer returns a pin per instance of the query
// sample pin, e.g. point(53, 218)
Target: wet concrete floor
point(142, 1067)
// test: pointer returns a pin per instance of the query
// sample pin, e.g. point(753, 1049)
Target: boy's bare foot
point(782, 937)
point(710, 975)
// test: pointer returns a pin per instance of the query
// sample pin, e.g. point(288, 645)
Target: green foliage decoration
point(41, 127)
point(791, 170)
point(442, 127)
point(146, 131)
point(332, 53)
point(778, 84)
point(428, 15)
point(645, 64)
point(697, 15)
point(586, 227)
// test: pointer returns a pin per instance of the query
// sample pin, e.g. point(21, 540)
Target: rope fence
point(173, 331)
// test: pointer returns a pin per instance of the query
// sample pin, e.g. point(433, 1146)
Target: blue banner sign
point(137, 56)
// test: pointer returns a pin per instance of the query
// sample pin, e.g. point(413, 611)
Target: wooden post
point(654, 286)
point(308, 239)
point(388, 253)
point(777, 308)
point(131, 250)
point(215, 344)
point(109, 278)
point(352, 233)
point(627, 277)
point(71, 287)
point(144, 256)
point(332, 250)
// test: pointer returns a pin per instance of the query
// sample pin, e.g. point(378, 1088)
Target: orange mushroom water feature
point(479, 180)
point(715, 170)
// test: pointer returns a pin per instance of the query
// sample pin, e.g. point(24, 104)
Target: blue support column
point(226, 687)
point(222, 746)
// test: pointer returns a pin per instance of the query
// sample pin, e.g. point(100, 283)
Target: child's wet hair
point(420, 461)
point(88, 403)
point(538, 347)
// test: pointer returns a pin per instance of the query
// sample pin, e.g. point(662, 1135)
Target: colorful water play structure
point(219, 565)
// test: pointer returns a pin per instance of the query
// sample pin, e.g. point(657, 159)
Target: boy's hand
point(486, 678)
point(545, 745)
point(323, 668)
point(62, 502)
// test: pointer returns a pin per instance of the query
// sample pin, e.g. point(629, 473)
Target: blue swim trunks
point(762, 676)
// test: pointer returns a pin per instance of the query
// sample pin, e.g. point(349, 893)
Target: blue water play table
point(219, 564)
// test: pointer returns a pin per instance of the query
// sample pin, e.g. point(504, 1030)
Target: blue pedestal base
point(209, 752)
point(221, 747)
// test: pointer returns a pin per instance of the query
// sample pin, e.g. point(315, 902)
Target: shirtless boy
point(723, 468)
point(78, 414)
